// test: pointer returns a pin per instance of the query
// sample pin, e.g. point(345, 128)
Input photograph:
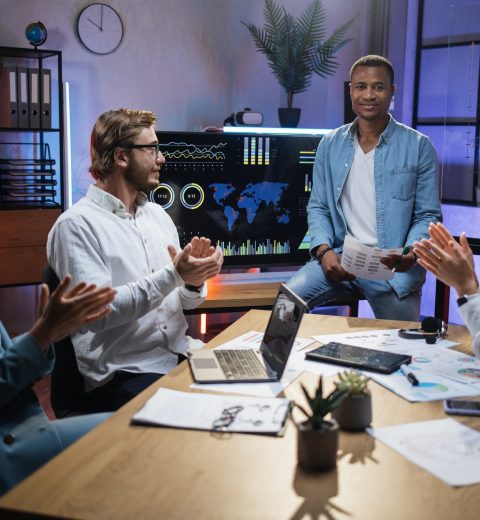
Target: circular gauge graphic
point(163, 194)
point(192, 196)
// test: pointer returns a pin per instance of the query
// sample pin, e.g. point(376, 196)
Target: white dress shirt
point(470, 312)
point(98, 241)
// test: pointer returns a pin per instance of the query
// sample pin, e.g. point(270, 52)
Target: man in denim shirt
point(375, 180)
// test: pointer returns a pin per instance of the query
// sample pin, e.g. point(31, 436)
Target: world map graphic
point(250, 200)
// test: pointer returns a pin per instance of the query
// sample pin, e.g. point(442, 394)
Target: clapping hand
point(197, 262)
point(65, 311)
point(450, 261)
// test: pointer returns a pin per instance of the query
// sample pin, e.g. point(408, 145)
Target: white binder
point(22, 93)
point(33, 98)
point(45, 101)
point(8, 97)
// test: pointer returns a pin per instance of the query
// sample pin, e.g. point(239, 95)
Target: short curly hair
point(373, 60)
point(115, 128)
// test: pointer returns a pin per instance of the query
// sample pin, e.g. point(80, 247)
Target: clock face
point(100, 28)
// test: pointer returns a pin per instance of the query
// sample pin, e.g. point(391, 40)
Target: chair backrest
point(67, 392)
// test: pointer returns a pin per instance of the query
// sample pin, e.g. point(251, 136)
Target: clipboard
point(216, 413)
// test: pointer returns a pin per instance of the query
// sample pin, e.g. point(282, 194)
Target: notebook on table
point(251, 365)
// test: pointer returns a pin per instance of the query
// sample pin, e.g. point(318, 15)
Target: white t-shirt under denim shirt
point(358, 197)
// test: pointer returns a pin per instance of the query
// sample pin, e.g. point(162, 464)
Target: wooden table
point(120, 471)
point(234, 297)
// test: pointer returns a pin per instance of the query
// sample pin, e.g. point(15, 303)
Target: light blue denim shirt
point(406, 192)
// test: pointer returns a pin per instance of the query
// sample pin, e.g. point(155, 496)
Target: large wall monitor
point(247, 192)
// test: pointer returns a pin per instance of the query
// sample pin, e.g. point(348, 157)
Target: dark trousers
point(121, 388)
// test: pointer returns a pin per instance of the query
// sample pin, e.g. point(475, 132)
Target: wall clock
point(100, 28)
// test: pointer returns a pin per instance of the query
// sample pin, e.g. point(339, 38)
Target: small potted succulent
point(317, 437)
point(355, 411)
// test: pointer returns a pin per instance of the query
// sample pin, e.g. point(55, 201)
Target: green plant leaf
point(296, 47)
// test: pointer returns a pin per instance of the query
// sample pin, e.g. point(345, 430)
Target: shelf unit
point(447, 96)
point(31, 168)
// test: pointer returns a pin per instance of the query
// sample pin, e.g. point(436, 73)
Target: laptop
point(251, 365)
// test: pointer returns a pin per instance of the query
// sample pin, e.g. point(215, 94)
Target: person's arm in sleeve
point(85, 260)
point(320, 224)
point(426, 207)
point(30, 356)
point(22, 363)
point(470, 312)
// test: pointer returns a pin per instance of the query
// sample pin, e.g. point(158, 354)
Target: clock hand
point(101, 18)
point(95, 24)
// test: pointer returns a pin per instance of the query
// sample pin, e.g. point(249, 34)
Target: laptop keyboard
point(240, 364)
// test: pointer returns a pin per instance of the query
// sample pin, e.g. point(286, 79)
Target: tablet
point(359, 357)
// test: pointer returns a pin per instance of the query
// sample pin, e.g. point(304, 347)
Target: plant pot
point(289, 117)
point(317, 449)
point(354, 412)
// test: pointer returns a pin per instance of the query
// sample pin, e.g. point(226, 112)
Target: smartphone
point(461, 407)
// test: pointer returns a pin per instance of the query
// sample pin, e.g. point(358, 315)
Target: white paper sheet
point(442, 373)
point(444, 447)
point(431, 387)
point(201, 411)
point(387, 339)
point(364, 261)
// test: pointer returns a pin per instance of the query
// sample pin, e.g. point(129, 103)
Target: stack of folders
point(27, 182)
point(218, 413)
point(25, 98)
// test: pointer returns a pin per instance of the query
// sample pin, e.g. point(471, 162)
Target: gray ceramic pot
point(317, 449)
point(354, 412)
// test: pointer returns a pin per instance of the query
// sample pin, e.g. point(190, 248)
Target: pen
point(409, 375)
point(405, 251)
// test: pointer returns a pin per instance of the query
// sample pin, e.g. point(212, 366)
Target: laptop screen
point(281, 330)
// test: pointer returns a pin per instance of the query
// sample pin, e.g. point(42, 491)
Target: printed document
point(214, 412)
point(364, 261)
point(444, 447)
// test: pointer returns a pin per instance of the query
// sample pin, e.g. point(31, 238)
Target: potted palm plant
point(296, 48)
point(317, 437)
point(355, 411)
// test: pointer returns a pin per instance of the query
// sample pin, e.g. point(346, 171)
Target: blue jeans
point(311, 284)
point(71, 429)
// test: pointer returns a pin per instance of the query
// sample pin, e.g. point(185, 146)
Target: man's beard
point(139, 178)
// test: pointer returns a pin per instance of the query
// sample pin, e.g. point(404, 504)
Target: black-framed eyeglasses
point(155, 147)
point(226, 419)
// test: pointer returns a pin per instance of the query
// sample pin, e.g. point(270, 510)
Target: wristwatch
point(466, 298)
point(194, 288)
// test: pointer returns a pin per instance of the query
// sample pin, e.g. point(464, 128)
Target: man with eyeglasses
point(115, 237)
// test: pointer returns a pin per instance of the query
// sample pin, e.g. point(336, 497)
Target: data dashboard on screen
point(247, 192)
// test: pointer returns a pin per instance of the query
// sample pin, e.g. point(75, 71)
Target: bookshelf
point(31, 159)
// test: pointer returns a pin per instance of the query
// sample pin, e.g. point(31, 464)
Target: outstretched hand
point(194, 269)
point(65, 311)
point(450, 261)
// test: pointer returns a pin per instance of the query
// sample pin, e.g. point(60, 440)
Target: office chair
point(67, 391)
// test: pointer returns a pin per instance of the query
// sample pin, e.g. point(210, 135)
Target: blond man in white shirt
point(115, 237)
